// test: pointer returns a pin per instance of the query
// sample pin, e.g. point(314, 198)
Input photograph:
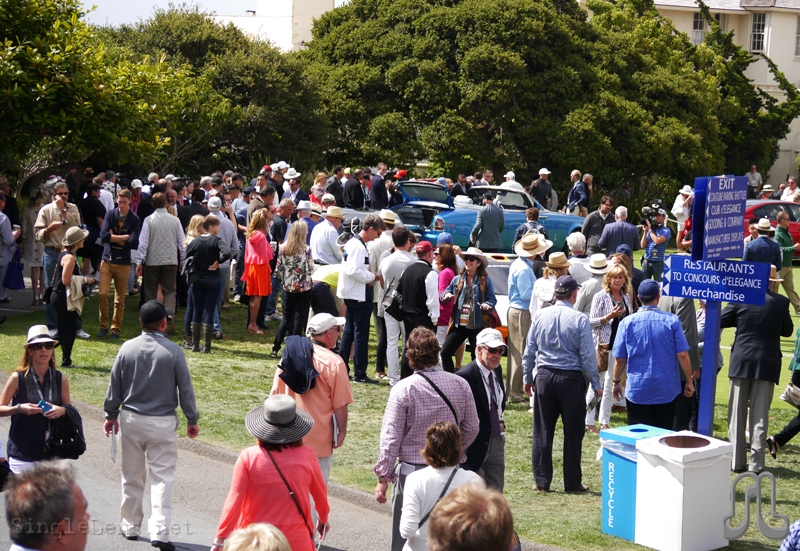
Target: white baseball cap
point(543, 171)
point(214, 204)
point(491, 338)
point(321, 323)
point(136, 183)
point(510, 174)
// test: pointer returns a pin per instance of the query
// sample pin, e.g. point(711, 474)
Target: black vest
point(412, 283)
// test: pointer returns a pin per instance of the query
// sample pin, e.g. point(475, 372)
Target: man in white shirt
point(324, 249)
point(376, 249)
point(391, 268)
point(355, 288)
point(754, 182)
point(792, 192)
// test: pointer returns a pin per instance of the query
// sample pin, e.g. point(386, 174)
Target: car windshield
point(425, 192)
point(498, 273)
point(503, 198)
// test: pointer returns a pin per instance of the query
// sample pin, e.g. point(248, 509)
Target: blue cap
point(649, 290)
point(442, 181)
point(625, 249)
point(444, 239)
point(566, 284)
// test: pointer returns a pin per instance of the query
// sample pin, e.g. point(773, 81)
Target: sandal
point(773, 447)
point(255, 331)
point(380, 375)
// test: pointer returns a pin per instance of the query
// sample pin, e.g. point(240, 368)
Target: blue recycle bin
point(619, 477)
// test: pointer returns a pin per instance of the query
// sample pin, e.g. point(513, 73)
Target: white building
point(768, 26)
point(285, 23)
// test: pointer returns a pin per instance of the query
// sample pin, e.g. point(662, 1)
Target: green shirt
point(787, 245)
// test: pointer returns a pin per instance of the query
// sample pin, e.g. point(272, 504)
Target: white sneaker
point(274, 317)
point(54, 334)
point(82, 334)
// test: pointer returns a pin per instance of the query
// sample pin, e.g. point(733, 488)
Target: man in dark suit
point(486, 455)
point(353, 194)
point(379, 198)
point(334, 185)
point(763, 249)
point(460, 187)
point(186, 212)
point(754, 370)
point(489, 225)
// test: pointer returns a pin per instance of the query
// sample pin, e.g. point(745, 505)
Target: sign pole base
point(708, 373)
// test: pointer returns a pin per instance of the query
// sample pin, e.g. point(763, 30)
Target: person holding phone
point(35, 381)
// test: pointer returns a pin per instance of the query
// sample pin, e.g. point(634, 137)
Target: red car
point(764, 208)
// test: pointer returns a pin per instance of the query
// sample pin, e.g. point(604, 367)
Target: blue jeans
point(187, 317)
point(356, 333)
point(49, 260)
point(223, 273)
point(272, 300)
point(653, 270)
point(204, 293)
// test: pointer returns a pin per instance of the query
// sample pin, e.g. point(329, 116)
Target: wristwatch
point(382, 479)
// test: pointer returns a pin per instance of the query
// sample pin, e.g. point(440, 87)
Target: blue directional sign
point(725, 203)
point(720, 280)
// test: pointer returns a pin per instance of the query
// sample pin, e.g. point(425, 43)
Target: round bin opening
point(684, 441)
point(638, 430)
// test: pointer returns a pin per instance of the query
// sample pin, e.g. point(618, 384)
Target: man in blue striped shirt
point(560, 350)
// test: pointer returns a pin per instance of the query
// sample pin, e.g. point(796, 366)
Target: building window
point(758, 32)
point(698, 29)
point(722, 19)
point(797, 38)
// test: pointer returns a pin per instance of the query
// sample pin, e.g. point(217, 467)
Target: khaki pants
point(788, 286)
point(166, 276)
point(519, 322)
point(757, 394)
point(147, 442)
point(119, 273)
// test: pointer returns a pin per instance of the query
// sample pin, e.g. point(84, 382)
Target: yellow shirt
point(51, 213)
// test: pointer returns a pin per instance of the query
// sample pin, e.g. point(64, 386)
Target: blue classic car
point(460, 220)
point(421, 202)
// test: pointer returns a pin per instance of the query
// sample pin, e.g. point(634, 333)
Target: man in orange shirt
point(331, 395)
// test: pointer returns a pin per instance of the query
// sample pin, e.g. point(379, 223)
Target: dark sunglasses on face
point(498, 350)
point(40, 345)
point(470, 259)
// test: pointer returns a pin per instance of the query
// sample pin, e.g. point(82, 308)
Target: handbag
point(49, 289)
point(602, 357)
point(14, 278)
point(490, 318)
point(791, 395)
point(291, 493)
point(393, 300)
point(66, 440)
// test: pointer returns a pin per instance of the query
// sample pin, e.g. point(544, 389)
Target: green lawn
point(238, 376)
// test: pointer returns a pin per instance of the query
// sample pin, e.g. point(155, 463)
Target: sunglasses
point(40, 345)
point(470, 259)
point(498, 350)
point(63, 194)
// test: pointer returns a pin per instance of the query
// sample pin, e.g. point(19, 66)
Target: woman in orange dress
point(264, 474)
point(257, 275)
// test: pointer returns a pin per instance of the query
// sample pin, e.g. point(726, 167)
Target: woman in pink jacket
point(257, 275)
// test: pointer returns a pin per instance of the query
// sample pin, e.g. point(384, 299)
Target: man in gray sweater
point(148, 373)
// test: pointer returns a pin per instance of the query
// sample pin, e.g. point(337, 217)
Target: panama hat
point(477, 253)
point(767, 189)
point(388, 217)
point(39, 333)
point(598, 264)
point(532, 244)
point(686, 190)
point(558, 260)
point(334, 212)
point(764, 225)
point(278, 421)
point(74, 235)
point(291, 174)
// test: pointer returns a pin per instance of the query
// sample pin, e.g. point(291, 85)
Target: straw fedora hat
point(558, 260)
point(39, 333)
point(773, 274)
point(532, 244)
point(686, 190)
point(598, 264)
point(74, 235)
point(278, 421)
point(764, 225)
point(477, 253)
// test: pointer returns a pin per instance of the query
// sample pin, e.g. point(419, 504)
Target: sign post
point(717, 234)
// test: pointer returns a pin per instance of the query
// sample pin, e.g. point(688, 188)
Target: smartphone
point(45, 406)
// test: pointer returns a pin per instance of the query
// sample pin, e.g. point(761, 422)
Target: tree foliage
point(524, 83)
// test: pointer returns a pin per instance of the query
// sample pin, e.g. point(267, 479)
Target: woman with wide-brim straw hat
point(473, 295)
point(35, 378)
point(263, 474)
point(545, 287)
point(67, 269)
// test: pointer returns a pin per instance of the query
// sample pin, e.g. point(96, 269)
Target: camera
point(650, 212)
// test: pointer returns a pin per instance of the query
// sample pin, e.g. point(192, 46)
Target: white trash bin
point(682, 492)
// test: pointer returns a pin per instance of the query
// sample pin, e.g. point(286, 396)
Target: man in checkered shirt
point(414, 405)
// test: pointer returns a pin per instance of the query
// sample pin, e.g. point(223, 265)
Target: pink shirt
point(257, 250)
point(445, 308)
point(258, 494)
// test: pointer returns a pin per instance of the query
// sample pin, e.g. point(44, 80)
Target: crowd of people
point(588, 333)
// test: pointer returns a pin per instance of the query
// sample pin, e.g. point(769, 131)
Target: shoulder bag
point(49, 289)
point(291, 493)
point(66, 440)
point(490, 318)
point(393, 300)
point(14, 279)
point(440, 393)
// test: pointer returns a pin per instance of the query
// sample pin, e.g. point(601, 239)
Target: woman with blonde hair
point(609, 307)
point(318, 189)
point(193, 230)
point(624, 260)
point(258, 536)
point(294, 269)
point(257, 275)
